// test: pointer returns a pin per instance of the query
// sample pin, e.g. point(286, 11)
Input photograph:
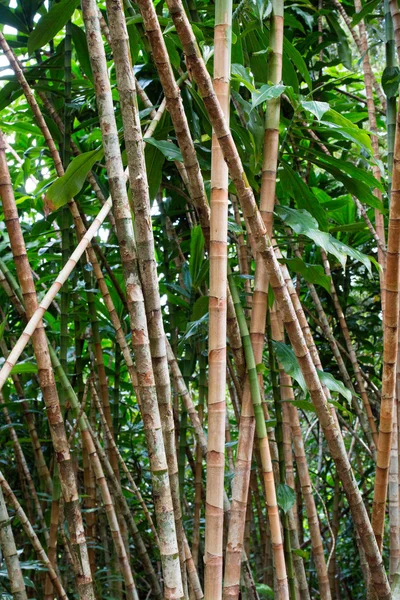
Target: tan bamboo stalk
point(302, 469)
point(395, 12)
point(198, 483)
point(128, 474)
point(30, 532)
point(20, 457)
point(216, 403)
point(264, 246)
point(9, 550)
point(358, 40)
point(46, 376)
point(90, 503)
point(146, 383)
point(390, 340)
point(242, 250)
point(258, 314)
point(145, 248)
point(393, 496)
point(267, 470)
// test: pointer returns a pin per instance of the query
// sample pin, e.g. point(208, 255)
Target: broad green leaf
point(196, 251)
point(9, 17)
point(303, 196)
point(303, 405)
point(200, 308)
point(285, 496)
point(243, 75)
point(70, 184)
point(303, 223)
point(264, 591)
point(348, 129)
point(19, 369)
point(169, 149)
point(267, 92)
point(366, 10)
point(154, 164)
point(51, 23)
point(343, 46)
point(316, 108)
point(313, 273)
point(334, 385)
point(390, 81)
point(287, 358)
point(81, 49)
point(298, 61)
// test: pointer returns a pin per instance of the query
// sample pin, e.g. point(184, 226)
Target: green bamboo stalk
point(261, 431)
point(282, 466)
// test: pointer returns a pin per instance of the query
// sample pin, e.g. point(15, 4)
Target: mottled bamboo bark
point(390, 341)
point(146, 383)
point(213, 553)
point(47, 382)
point(30, 532)
point(9, 550)
point(258, 314)
point(264, 246)
point(145, 248)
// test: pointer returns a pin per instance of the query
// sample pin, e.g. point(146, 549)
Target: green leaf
point(287, 359)
point(196, 251)
point(154, 164)
point(303, 196)
point(9, 17)
point(70, 184)
point(390, 81)
point(347, 129)
point(285, 497)
point(343, 46)
point(267, 92)
point(19, 369)
point(200, 308)
point(303, 405)
point(51, 23)
point(298, 61)
point(81, 48)
point(303, 223)
point(366, 10)
point(264, 591)
point(243, 75)
point(312, 273)
point(334, 385)
point(316, 108)
point(3, 326)
point(169, 149)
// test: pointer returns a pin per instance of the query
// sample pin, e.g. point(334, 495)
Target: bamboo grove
point(199, 299)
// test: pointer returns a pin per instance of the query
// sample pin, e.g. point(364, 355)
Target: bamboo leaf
point(267, 92)
point(285, 497)
point(21, 368)
point(313, 273)
point(168, 149)
point(196, 252)
point(81, 48)
point(70, 184)
point(286, 357)
point(334, 385)
point(51, 23)
point(390, 81)
point(366, 10)
point(316, 108)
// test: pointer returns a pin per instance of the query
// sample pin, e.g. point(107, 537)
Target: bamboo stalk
point(146, 383)
point(390, 341)
point(250, 211)
point(46, 376)
point(30, 532)
point(272, 507)
point(216, 403)
point(9, 550)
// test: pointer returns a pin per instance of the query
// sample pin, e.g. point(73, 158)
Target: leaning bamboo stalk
point(146, 249)
point(390, 340)
point(303, 472)
point(216, 403)
point(46, 375)
point(268, 476)
point(30, 532)
point(9, 550)
point(264, 246)
point(138, 320)
point(51, 294)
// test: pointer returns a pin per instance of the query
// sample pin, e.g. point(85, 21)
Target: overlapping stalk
point(138, 320)
point(9, 551)
point(263, 244)
point(46, 376)
point(213, 553)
